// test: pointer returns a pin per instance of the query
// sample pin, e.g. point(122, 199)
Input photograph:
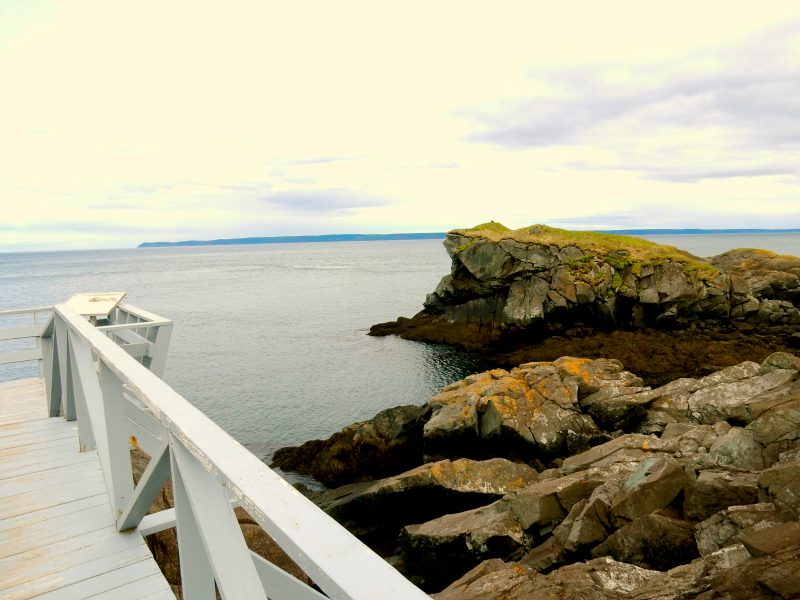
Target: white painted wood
point(54, 512)
point(57, 533)
point(54, 580)
point(95, 304)
point(155, 522)
point(25, 311)
point(158, 354)
point(280, 584)
point(222, 537)
point(197, 576)
point(132, 326)
point(138, 350)
point(65, 372)
point(87, 392)
point(150, 484)
point(338, 562)
point(104, 582)
point(15, 356)
point(16, 333)
point(119, 476)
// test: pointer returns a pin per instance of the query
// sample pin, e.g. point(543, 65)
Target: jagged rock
point(498, 529)
point(781, 484)
point(775, 575)
point(653, 542)
point(427, 491)
point(737, 393)
point(776, 423)
point(601, 579)
point(738, 448)
point(442, 548)
point(762, 272)
point(655, 484)
point(546, 503)
point(716, 490)
point(632, 447)
point(389, 443)
point(727, 527)
point(531, 411)
point(590, 521)
point(772, 540)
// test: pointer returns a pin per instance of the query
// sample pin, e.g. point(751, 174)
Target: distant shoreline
point(373, 237)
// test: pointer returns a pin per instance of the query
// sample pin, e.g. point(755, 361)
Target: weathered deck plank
point(57, 533)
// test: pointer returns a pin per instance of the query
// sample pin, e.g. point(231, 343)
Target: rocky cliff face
point(508, 289)
point(542, 281)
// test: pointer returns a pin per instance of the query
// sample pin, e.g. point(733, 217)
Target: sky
point(125, 122)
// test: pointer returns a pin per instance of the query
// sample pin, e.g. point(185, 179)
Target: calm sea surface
point(270, 340)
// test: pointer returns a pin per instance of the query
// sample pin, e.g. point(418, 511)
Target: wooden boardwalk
point(57, 532)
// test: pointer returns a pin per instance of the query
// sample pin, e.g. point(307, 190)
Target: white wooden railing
point(119, 404)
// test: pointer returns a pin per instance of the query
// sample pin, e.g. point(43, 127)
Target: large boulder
point(531, 412)
point(718, 489)
point(780, 484)
point(657, 483)
point(389, 443)
point(653, 541)
point(427, 491)
point(727, 527)
point(600, 579)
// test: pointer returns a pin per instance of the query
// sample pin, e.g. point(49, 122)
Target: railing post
point(67, 400)
point(119, 475)
point(197, 576)
point(87, 391)
point(52, 373)
point(158, 357)
point(219, 531)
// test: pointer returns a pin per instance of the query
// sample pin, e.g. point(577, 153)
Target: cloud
point(323, 201)
point(734, 106)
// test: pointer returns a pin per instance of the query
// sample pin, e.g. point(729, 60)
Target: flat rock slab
point(773, 539)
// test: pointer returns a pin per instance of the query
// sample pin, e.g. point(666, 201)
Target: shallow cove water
point(270, 340)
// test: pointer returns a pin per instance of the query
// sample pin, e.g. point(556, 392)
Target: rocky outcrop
point(387, 444)
point(578, 471)
point(510, 290)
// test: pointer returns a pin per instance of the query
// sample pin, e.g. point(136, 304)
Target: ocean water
point(270, 340)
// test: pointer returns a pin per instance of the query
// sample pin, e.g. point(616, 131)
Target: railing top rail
point(23, 311)
point(316, 542)
point(140, 325)
point(143, 314)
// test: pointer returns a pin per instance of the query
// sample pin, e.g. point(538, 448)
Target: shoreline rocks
point(671, 501)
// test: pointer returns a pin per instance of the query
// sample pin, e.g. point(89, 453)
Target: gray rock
point(727, 527)
point(598, 579)
point(526, 301)
point(780, 484)
point(485, 260)
point(652, 542)
point(427, 491)
point(630, 447)
point(776, 422)
point(738, 448)
point(716, 490)
point(655, 484)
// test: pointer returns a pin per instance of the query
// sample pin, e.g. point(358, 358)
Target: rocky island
point(581, 477)
point(538, 293)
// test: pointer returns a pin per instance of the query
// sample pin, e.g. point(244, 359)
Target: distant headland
point(374, 237)
point(296, 239)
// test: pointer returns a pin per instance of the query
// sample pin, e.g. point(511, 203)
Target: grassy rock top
point(619, 249)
